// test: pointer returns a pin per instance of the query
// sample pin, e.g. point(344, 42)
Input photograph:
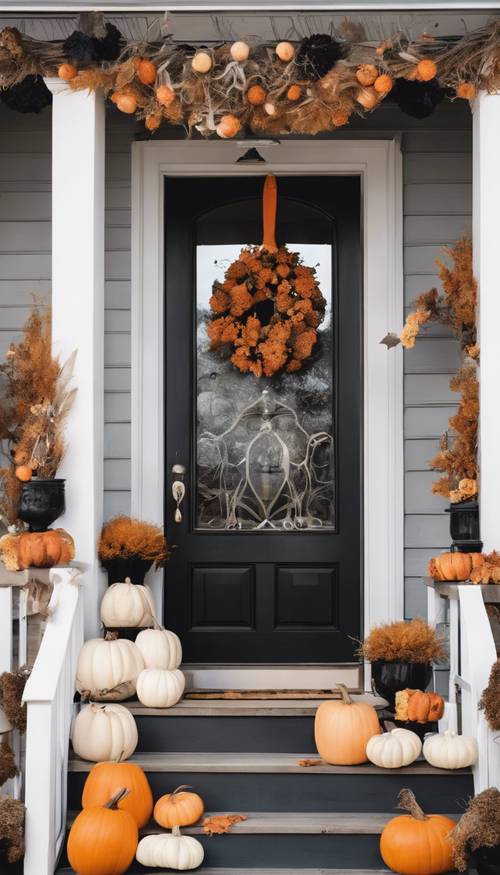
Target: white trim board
point(379, 165)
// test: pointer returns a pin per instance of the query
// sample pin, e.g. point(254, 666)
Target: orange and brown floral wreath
point(266, 312)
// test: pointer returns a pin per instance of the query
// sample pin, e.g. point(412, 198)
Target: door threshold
point(282, 678)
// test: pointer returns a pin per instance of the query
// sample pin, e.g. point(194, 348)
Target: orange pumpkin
point(165, 95)
point(416, 843)
point(228, 126)
point(37, 549)
point(67, 72)
point(425, 707)
point(146, 71)
point(104, 779)
point(366, 74)
point(340, 118)
point(103, 839)
point(383, 84)
point(126, 102)
point(342, 729)
point(454, 566)
point(466, 90)
point(24, 473)
point(426, 70)
point(179, 808)
point(256, 95)
point(294, 92)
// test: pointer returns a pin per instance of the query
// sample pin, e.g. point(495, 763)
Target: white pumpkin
point(128, 605)
point(450, 751)
point(394, 749)
point(170, 851)
point(159, 688)
point(107, 670)
point(160, 648)
point(104, 732)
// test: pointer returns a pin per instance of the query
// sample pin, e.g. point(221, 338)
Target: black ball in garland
point(85, 49)
point(30, 95)
point(418, 99)
point(317, 54)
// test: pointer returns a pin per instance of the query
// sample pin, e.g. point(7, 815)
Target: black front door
point(267, 565)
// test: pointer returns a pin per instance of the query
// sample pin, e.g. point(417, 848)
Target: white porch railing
point(49, 696)
point(472, 654)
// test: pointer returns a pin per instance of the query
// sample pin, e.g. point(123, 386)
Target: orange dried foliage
point(126, 537)
point(414, 641)
point(489, 570)
point(219, 824)
point(457, 457)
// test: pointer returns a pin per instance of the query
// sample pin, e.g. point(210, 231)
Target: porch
point(82, 184)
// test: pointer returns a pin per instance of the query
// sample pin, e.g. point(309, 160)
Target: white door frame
point(379, 164)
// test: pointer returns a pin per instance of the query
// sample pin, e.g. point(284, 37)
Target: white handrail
point(49, 696)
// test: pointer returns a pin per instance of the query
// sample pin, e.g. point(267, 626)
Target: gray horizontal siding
point(437, 209)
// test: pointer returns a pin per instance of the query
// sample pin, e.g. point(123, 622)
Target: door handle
point(178, 490)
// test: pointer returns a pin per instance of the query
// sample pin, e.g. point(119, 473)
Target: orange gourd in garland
point(103, 839)
point(454, 566)
point(343, 728)
point(179, 808)
point(105, 779)
point(417, 843)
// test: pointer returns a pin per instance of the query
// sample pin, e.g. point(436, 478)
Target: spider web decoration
point(265, 472)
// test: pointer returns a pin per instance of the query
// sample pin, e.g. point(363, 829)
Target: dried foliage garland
point(479, 827)
point(305, 88)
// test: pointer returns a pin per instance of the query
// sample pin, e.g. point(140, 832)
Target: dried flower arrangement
point(456, 308)
point(124, 537)
point(308, 87)
point(35, 403)
point(490, 700)
point(479, 827)
point(11, 698)
point(489, 570)
point(12, 813)
point(8, 768)
point(266, 312)
point(413, 641)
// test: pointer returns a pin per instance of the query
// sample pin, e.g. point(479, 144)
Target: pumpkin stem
point(115, 799)
point(344, 692)
point(407, 801)
point(176, 831)
point(111, 636)
point(181, 788)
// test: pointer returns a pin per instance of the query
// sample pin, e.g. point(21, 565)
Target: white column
point(486, 192)
point(78, 155)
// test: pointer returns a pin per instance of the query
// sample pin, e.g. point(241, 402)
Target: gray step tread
point(290, 823)
point(245, 871)
point(260, 763)
point(239, 707)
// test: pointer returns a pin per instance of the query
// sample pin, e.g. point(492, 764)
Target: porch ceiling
point(217, 20)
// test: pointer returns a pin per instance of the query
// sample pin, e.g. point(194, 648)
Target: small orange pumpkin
point(339, 118)
point(165, 95)
point(425, 707)
point(454, 566)
point(383, 83)
point(179, 808)
point(146, 71)
point(294, 92)
point(126, 102)
point(67, 72)
point(417, 843)
point(152, 122)
point(342, 729)
point(366, 74)
point(37, 549)
point(228, 126)
point(24, 473)
point(466, 90)
point(367, 97)
point(426, 70)
point(103, 839)
point(105, 779)
point(256, 95)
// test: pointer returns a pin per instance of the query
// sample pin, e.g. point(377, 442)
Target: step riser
point(226, 734)
point(287, 852)
point(305, 792)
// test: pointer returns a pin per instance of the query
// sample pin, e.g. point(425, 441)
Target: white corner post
point(78, 155)
point(486, 197)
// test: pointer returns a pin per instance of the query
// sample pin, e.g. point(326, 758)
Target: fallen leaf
point(221, 823)
point(391, 339)
point(307, 764)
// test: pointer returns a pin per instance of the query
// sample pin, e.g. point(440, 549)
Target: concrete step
point(276, 782)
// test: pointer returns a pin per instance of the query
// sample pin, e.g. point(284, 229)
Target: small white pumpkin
point(202, 62)
point(450, 751)
point(160, 648)
point(159, 688)
point(127, 605)
point(173, 851)
point(104, 732)
point(394, 749)
point(107, 670)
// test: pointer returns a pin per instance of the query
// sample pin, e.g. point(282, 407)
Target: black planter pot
point(41, 503)
point(390, 677)
point(464, 527)
point(488, 860)
point(119, 569)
